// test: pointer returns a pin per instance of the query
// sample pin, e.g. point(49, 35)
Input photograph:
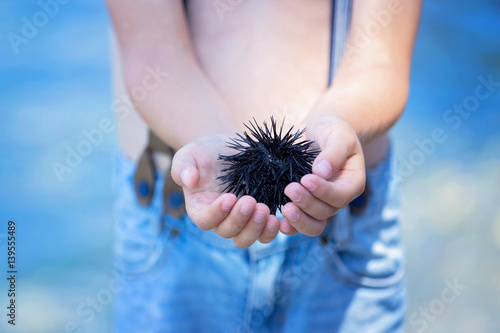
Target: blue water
point(58, 84)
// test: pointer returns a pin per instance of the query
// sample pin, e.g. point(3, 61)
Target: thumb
point(184, 170)
point(334, 154)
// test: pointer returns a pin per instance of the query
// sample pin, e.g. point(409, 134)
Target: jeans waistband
point(257, 250)
point(124, 172)
point(338, 230)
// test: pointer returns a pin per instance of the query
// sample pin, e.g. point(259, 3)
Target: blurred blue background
point(58, 84)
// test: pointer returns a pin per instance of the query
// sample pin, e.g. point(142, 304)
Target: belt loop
point(359, 204)
point(341, 228)
point(173, 197)
point(145, 181)
point(145, 178)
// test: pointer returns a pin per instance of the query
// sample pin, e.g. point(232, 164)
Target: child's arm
point(366, 98)
point(153, 36)
point(371, 86)
point(186, 111)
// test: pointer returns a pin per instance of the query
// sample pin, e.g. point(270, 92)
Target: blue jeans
point(182, 279)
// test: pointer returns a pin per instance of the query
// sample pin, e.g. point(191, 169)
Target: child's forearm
point(371, 86)
point(185, 106)
point(178, 102)
point(370, 101)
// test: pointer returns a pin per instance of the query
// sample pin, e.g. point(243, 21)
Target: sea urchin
point(266, 163)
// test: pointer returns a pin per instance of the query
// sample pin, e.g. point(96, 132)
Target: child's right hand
point(196, 167)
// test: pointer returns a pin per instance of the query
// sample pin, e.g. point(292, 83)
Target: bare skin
point(264, 58)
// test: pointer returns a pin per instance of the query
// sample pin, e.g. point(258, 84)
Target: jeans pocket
point(142, 244)
point(368, 261)
point(369, 252)
point(143, 237)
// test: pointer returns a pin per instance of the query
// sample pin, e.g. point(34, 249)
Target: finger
point(287, 228)
point(271, 230)
point(208, 212)
point(184, 170)
point(237, 219)
point(309, 204)
point(344, 187)
point(301, 221)
point(252, 230)
point(333, 156)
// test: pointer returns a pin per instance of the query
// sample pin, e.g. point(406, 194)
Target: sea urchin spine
point(266, 163)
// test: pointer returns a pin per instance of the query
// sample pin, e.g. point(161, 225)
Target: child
point(195, 73)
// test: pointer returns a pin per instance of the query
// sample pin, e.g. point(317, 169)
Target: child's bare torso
point(264, 57)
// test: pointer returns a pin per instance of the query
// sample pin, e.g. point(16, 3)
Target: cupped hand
point(338, 177)
point(196, 167)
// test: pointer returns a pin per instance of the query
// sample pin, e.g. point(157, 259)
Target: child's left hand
point(338, 177)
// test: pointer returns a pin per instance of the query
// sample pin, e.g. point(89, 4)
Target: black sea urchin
point(266, 163)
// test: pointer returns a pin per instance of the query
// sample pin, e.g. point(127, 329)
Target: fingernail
point(246, 209)
point(295, 196)
point(310, 186)
point(260, 217)
point(324, 169)
point(185, 176)
point(293, 216)
point(226, 205)
point(286, 227)
point(272, 226)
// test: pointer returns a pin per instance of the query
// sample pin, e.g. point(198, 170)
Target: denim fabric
point(182, 279)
